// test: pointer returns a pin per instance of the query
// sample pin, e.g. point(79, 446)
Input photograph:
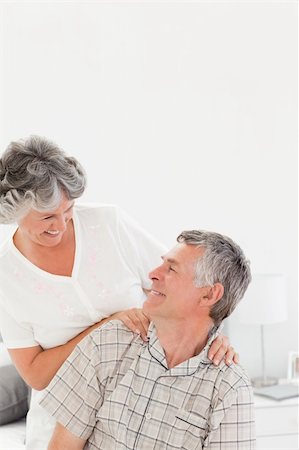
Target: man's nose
point(155, 274)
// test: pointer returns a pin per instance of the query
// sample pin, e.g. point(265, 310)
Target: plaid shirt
point(117, 392)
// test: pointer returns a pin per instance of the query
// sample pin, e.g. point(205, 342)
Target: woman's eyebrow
point(51, 213)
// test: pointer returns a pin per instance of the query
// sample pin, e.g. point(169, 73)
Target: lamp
point(264, 303)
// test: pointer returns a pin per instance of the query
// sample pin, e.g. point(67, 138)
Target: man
point(117, 392)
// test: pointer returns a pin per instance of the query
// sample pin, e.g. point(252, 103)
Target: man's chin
point(146, 312)
point(147, 309)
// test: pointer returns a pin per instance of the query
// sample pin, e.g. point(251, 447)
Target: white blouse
point(112, 260)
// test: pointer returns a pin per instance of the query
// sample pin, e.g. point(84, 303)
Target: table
point(276, 423)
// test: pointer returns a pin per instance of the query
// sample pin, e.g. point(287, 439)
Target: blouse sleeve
point(142, 251)
point(15, 334)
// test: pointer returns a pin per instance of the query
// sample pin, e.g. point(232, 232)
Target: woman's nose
point(61, 223)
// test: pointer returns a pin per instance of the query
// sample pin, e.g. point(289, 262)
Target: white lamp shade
point(264, 301)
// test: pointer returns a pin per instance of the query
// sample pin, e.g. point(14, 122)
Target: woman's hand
point(135, 320)
point(221, 349)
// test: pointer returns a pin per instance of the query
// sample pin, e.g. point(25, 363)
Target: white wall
point(183, 113)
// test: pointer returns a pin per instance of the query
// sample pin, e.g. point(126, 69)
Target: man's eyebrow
point(170, 260)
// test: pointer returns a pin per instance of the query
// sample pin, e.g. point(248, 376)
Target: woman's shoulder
point(93, 213)
point(96, 209)
point(107, 215)
point(6, 235)
point(95, 206)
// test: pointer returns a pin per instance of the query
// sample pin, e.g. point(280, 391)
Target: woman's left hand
point(221, 349)
point(135, 320)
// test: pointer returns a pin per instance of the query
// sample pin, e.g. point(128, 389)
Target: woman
point(65, 269)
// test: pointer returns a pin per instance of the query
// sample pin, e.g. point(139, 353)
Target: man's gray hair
point(33, 174)
point(224, 262)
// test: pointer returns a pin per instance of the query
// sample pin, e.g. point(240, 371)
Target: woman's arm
point(38, 366)
point(63, 439)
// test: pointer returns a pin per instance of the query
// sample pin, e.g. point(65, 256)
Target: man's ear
point(218, 291)
point(213, 294)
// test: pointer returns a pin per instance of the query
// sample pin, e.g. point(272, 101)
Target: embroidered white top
point(113, 258)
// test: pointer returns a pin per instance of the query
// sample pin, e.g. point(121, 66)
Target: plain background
point(182, 113)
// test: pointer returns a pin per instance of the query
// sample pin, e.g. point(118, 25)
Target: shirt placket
point(156, 404)
point(92, 312)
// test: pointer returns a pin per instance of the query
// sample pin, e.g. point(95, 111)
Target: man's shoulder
point(232, 379)
point(113, 329)
point(114, 340)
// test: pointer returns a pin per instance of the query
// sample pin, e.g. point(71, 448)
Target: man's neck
point(182, 340)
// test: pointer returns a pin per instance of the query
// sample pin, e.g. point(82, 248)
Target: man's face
point(173, 293)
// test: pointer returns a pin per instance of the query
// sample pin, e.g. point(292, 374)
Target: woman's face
point(47, 228)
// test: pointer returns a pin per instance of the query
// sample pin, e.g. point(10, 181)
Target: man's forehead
point(183, 253)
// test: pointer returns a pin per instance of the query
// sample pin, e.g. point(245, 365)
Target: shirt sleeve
point(141, 250)
point(15, 334)
point(232, 425)
point(75, 394)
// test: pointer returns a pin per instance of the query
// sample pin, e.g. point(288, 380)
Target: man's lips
point(154, 292)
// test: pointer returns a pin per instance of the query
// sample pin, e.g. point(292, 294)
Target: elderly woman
point(66, 269)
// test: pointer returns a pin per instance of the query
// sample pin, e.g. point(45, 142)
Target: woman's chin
point(50, 240)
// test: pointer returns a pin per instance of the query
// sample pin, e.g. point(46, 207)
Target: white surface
point(12, 436)
point(265, 300)
point(183, 113)
point(276, 423)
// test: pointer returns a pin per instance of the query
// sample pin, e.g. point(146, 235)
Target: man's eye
point(45, 218)
point(171, 268)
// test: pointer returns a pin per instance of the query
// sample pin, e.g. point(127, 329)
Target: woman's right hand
point(135, 320)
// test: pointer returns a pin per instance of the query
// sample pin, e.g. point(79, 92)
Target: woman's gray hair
point(224, 262)
point(33, 174)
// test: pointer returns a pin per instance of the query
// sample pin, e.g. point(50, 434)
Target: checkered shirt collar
point(187, 367)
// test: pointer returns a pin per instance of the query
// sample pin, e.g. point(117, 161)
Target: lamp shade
point(264, 301)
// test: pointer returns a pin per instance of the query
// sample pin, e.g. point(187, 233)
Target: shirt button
point(148, 416)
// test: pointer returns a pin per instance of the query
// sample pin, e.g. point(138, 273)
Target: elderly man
point(117, 392)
